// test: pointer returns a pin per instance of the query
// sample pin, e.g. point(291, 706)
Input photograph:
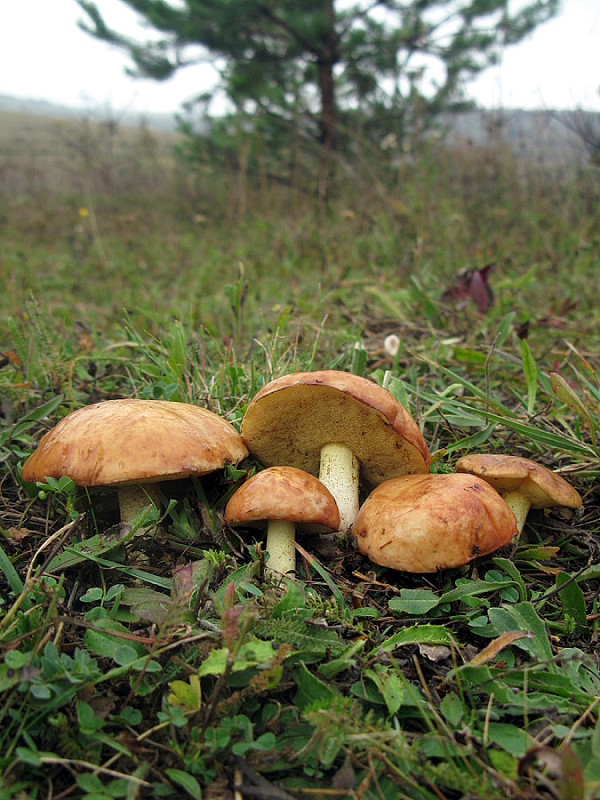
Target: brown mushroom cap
point(424, 523)
point(284, 493)
point(542, 487)
point(131, 441)
point(291, 418)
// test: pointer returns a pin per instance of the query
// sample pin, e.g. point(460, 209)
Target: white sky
point(45, 56)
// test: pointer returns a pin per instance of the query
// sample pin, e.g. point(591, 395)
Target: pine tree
point(318, 60)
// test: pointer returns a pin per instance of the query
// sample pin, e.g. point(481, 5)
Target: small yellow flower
point(83, 212)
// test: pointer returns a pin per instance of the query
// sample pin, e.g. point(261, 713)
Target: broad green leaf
point(510, 738)
point(596, 740)
point(187, 782)
point(147, 603)
point(124, 654)
point(590, 573)
point(420, 601)
point(187, 695)
point(538, 553)
point(26, 422)
point(239, 576)
point(32, 756)
point(396, 388)
point(418, 634)
point(90, 782)
point(311, 690)
point(523, 616)
point(93, 595)
point(572, 598)
point(390, 685)
point(453, 709)
point(414, 602)
point(93, 547)
point(507, 566)
point(503, 762)
point(252, 653)
point(104, 640)
point(474, 588)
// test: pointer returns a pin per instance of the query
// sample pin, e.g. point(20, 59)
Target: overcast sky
point(45, 56)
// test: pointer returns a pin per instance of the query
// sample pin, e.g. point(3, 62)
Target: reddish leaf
point(472, 285)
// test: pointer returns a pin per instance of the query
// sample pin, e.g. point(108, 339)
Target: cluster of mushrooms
point(345, 429)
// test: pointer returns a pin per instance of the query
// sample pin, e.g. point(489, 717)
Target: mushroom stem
point(280, 546)
point(519, 504)
point(339, 473)
point(133, 498)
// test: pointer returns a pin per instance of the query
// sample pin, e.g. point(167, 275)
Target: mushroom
point(333, 424)
point(523, 483)
point(134, 444)
point(425, 523)
point(290, 500)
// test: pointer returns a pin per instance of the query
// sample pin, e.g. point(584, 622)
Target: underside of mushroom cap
point(424, 523)
point(540, 485)
point(117, 442)
point(293, 417)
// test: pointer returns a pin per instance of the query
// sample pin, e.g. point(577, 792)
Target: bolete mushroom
point(425, 523)
point(523, 483)
point(289, 500)
point(333, 424)
point(134, 444)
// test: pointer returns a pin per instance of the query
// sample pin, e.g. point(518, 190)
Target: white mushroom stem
point(280, 546)
point(339, 473)
point(519, 504)
point(133, 498)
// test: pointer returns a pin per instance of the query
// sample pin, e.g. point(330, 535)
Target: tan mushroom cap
point(424, 523)
point(285, 493)
point(131, 441)
point(291, 418)
point(542, 487)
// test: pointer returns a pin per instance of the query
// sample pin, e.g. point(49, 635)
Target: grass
point(172, 667)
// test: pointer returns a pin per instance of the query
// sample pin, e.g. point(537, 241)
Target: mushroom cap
point(118, 442)
point(424, 523)
point(284, 493)
point(291, 418)
point(542, 487)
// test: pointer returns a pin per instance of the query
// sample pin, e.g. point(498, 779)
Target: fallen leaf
point(472, 284)
point(497, 645)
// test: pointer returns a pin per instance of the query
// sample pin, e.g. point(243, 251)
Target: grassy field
point(170, 664)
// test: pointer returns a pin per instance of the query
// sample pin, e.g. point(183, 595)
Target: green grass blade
point(12, 576)
point(531, 376)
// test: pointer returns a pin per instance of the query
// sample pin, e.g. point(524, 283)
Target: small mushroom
point(290, 500)
point(134, 444)
point(333, 424)
point(523, 483)
point(425, 523)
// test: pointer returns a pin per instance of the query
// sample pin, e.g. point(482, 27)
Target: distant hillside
point(547, 134)
point(164, 122)
point(531, 134)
